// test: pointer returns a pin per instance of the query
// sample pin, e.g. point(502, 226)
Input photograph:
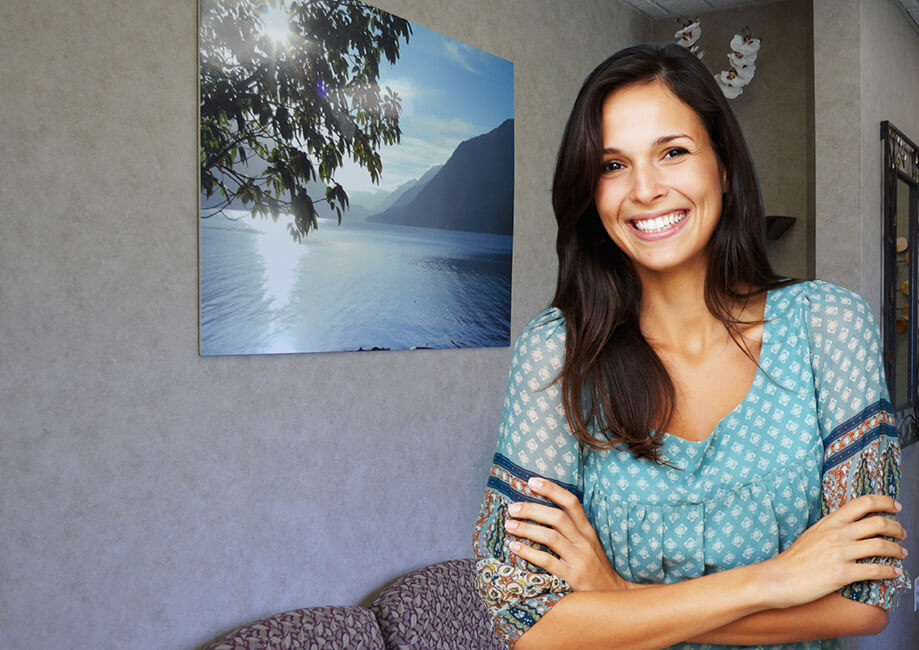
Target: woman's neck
point(674, 317)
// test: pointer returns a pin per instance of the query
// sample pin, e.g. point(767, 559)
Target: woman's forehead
point(646, 111)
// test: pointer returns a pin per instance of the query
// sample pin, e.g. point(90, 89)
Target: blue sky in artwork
point(450, 92)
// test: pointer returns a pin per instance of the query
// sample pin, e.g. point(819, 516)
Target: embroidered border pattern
point(517, 599)
point(510, 480)
point(862, 456)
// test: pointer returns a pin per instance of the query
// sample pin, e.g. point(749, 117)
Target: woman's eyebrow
point(664, 139)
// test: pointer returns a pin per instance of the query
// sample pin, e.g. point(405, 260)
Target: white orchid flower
point(732, 78)
point(738, 60)
point(745, 46)
point(729, 91)
point(689, 34)
point(745, 72)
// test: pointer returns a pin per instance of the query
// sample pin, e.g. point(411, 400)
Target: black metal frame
point(901, 161)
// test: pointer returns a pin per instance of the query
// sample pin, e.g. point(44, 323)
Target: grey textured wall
point(775, 112)
point(150, 498)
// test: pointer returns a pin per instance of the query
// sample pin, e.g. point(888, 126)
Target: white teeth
point(658, 224)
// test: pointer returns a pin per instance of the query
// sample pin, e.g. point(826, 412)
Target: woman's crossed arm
point(790, 597)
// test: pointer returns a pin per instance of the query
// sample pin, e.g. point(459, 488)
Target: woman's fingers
point(873, 571)
point(541, 534)
point(878, 526)
point(876, 547)
point(837, 551)
point(564, 500)
point(546, 515)
point(867, 504)
point(565, 530)
point(543, 560)
point(568, 518)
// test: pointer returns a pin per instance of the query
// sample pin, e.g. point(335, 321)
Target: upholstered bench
point(430, 609)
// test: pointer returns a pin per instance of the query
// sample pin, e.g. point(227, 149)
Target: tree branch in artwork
point(283, 107)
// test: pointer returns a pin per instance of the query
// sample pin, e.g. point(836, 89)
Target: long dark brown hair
point(612, 379)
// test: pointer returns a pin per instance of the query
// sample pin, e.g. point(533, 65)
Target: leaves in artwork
point(278, 113)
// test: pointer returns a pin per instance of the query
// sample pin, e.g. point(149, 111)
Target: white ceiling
point(692, 8)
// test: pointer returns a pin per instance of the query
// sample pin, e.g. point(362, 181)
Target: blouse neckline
point(763, 351)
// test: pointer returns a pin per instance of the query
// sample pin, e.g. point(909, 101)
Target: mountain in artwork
point(473, 190)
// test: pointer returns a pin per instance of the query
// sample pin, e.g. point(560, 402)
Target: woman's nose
point(647, 184)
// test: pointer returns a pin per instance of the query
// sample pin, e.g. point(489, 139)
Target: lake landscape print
point(357, 182)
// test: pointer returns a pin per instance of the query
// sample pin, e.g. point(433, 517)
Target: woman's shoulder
point(825, 299)
point(826, 314)
point(550, 321)
point(820, 301)
point(819, 293)
point(547, 327)
point(541, 343)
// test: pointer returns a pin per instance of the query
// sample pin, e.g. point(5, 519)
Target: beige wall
point(837, 96)
point(152, 498)
point(775, 113)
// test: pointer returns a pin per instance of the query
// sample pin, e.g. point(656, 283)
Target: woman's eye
point(611, 166)
point(675, 152)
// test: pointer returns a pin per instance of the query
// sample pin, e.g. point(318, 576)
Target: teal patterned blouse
point(815, 430)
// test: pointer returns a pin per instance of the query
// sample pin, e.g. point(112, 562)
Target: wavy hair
point(612, 380)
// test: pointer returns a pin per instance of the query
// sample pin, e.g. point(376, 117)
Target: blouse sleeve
point(533, 440)
point(855, 416)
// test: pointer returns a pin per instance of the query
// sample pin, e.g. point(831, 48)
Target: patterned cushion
point(315, 628)
point(435, 607)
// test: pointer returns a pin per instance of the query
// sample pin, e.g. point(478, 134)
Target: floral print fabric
point(814, 431)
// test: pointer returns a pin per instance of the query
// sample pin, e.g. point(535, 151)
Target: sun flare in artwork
point(276, 25)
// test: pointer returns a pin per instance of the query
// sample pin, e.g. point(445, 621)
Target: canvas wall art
point(357, 182)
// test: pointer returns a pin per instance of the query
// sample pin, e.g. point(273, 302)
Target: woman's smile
point(659, 225)
point(659, 194)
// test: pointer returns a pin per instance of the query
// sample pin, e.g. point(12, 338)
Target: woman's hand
point(824, 558)
point(581, 560)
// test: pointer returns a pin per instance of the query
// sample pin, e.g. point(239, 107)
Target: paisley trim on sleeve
point(857, 432)
point(490, 538)
point(862, 456)
point(511, 480)
point(516, 598)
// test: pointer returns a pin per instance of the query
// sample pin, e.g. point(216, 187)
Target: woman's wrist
point(762, 585)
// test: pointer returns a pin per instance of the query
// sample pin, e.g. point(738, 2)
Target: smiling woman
point(659, 197)
point(694, 450)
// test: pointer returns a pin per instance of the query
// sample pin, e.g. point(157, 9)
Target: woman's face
point(659, 195)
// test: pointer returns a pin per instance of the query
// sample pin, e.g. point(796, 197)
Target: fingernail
point(535, 483)
point(896, 570)
point(898, 506)
point(511, 525)
point(514, 508)
point(515, 546)
point(905, 552)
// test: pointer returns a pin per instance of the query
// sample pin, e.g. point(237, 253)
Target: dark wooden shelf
point(776, 226)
